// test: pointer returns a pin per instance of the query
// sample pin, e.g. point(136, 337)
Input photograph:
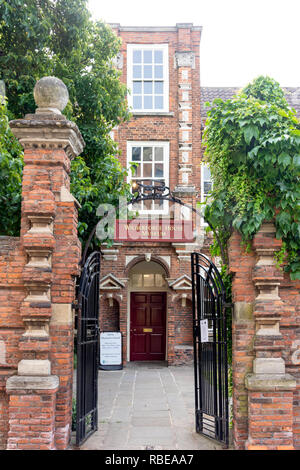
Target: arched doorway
point(147, 319)
point(150, 325)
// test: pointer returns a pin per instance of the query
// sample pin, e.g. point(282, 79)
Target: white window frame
point(203, 197)
point(130, 177)
point(165, 80)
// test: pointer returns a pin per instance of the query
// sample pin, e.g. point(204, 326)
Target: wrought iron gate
point(87, 349)
point(210, 349)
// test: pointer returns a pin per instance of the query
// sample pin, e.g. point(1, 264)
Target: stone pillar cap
point(51, 95)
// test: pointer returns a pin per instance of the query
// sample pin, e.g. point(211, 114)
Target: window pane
point(159, 170)
point(159, 205)
point(137, 206)
point(147, 154)
point(148, 87)
point(137, 102)
point(148, 57)
point(159, 280)
point(137, 88)
point(137, 280)
point(159, 88)
point(207, 187)
point(148, 207)
point(137, 71)
point(147, 71)
point(206, 173)
point(159, 154)
point(137, 171)
point(158, 71)
point(148, 102)
point(159, 102)
point(147, 170)
point(158, 57)
point(137, 57)
point(136, 154)
point(134, 187)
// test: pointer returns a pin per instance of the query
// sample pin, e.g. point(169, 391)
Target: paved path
point(147, 405)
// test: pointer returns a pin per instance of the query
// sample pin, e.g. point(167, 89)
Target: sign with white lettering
point(204, 331)
point(141, 230)
point(111, 350)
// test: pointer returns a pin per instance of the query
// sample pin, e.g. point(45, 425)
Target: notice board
point(111, 350)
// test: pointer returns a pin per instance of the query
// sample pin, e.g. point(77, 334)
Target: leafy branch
point(253, 149)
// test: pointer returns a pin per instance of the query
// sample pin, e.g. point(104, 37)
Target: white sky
point(241, 39)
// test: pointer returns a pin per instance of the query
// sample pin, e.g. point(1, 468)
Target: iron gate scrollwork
point(87, 349)
point(210, 357)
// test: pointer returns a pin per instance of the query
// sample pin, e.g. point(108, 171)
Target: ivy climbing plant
point(253, 149)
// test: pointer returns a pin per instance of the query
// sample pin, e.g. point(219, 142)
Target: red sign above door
point(163, 230)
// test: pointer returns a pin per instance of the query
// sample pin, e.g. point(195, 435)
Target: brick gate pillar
point(41, 392)
point(270, 388)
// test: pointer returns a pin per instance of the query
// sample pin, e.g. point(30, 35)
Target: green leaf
point(295, 276)
point(253, 152)
point(250, 131)
point(284, 159)
point(296, 160)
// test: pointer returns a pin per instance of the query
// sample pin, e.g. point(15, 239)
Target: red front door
point(148, 326)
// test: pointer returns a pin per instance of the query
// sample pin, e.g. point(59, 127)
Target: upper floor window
point(148, 77)
point(152, 167)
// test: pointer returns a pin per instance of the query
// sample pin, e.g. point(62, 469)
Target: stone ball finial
point(51, 95)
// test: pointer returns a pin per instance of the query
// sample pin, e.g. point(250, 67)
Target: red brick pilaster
point(42, 390)
point(270, 388)
point(31, 412)
point(243, 327)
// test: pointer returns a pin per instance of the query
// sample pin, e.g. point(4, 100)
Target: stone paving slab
point(147, 405)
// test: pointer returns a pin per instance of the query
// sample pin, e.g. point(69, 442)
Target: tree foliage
point(253, 149)
point(11, 162)
point(58, 37)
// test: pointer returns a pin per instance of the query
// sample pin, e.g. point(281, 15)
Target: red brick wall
point(243, 292)
point(12, 260)
point(165, 128)
point(109, 316)
point(183, 323)
point(51, 169)
point(271, 418)
point(290, 329)
point(157, 127)
point(35, 415)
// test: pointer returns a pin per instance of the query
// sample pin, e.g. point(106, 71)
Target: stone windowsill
point(152, 113)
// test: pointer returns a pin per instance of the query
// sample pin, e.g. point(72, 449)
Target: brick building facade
point(160, 65)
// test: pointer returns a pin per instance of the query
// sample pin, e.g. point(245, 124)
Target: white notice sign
point(110, 348)
point(204, 331)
